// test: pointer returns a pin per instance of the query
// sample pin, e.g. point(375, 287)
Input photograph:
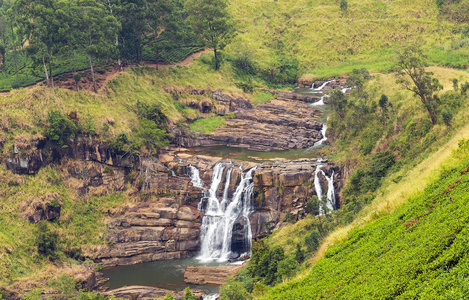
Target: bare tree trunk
point(157, 57)
point(429, 109)
point(73, 61)
point(119, 63)
point(217, 66)
point(50, 74)
point(45, 71)
point(92, 75)
point(432, 115)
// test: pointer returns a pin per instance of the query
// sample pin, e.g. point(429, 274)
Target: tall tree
point(97, 32)
point(131, 14)
point(158, 15)
point(412, 76)
point(41, 25)
point(212, 23)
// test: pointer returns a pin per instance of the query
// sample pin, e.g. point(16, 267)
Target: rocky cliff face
point(279, 125)
point(282, 190)
point(162, 220)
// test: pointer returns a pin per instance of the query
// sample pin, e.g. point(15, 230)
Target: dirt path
point(68, 82)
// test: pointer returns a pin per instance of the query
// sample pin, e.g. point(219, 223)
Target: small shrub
point(120, 144)
point(169, 296)
point(153, 113)
point(287, 268)
point(447, 116)
point(60, 128)
point(188, 295)
point(312, 241)
point(343, 5)
point(149, 136)
point(47, 241)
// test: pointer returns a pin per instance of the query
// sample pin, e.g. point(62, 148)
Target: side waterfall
point(195, 177)
point(330, 203)
point(322, 86)
point(226, 217)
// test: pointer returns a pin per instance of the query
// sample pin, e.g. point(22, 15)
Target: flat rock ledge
point(209, 275)
point(141, 292)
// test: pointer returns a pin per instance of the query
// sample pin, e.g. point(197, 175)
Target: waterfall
point(195, 177)
point(324, 137)
point(221, 217)
point(330, 203)
point(321, 101)
point(210, 296)
point(322, 86)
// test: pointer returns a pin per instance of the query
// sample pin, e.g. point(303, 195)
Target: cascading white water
point(330, 191)
point(330, 203)
point(210, 296)
point(195, 177)
point(324, 137)
point(322, 86)
point(220, 216)
point(321, 101)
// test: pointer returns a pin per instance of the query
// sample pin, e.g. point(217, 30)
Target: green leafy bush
point(147, 135)
point(47, 241)
point(60, 129)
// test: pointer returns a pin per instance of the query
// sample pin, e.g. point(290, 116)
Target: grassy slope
point(418, 251)
point(23, 114)
point(328, 42)
point(417, 171)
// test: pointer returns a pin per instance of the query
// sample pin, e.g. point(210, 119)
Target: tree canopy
point(212, 23)
point(411, 74)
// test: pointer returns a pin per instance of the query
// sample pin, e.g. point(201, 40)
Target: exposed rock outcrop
point(46, 207)
point(209, 275)
point(282, 191)
point(278, 125)
point(140, 292)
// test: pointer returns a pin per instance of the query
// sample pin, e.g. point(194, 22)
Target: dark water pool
point(165, 274)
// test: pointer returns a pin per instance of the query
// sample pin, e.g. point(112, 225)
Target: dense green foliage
point(210, 20)
point(43, 39)
point(420, 251)
point(60, 129)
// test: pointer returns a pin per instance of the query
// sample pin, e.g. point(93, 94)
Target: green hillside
point(327, 40)
point(417, 252)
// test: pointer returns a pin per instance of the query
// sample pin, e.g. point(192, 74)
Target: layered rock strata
point(278, 125)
